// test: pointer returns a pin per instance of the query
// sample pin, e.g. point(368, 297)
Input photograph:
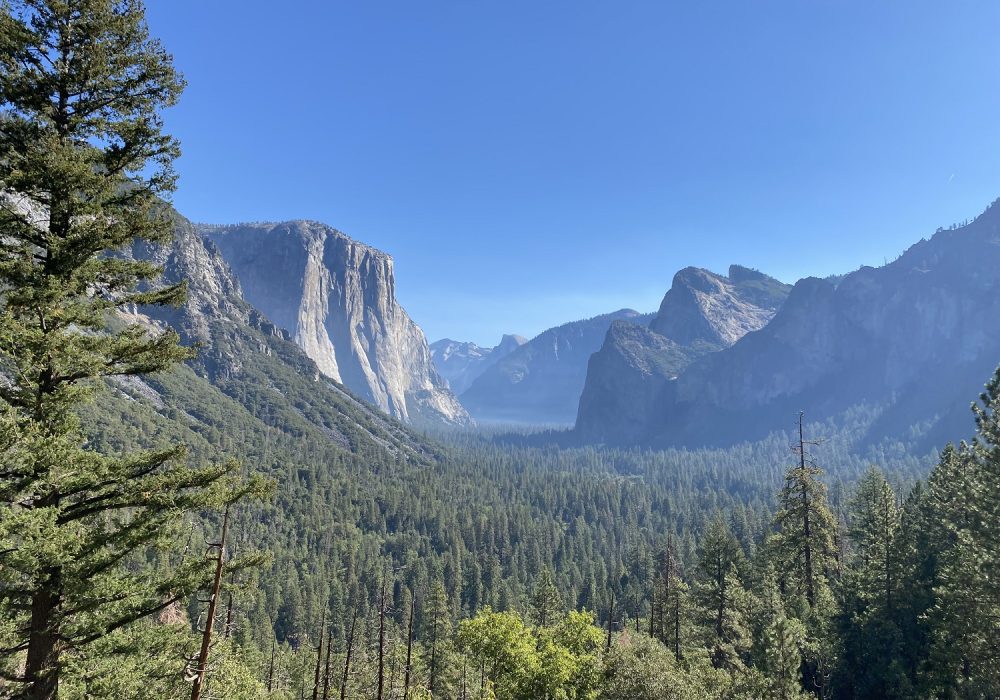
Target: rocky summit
point(897, 350)
point(702, 313)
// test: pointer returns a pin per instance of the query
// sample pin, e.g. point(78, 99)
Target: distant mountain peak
point(702, 306)
point(539, 382)
point(460, 363)
point(511, 341)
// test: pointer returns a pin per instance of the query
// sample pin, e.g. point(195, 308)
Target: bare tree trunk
point(326, 666)
point(347, 658)
point(319, 657)
point(636, 600)
point(433, 668)
point(206, 639)
point(409, 651)
point(270, 668)
point(229, 607)
point(44, 644)
point(465, 665)
point(611, 619)
point(677, 625)
point(381, 642)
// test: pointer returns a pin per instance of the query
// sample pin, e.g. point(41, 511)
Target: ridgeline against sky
point(587, 150)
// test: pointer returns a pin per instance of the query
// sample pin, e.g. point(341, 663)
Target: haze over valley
point(522, 351)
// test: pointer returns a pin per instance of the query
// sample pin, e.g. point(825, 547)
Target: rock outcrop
point(336, 297)
point(914, 340)
point(461, 363)
point(629, 377)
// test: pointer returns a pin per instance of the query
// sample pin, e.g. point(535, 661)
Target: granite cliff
point(906, 344)
point(702, 313)
point(336, 297)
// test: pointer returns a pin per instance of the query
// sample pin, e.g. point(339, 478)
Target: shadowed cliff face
point(635, 368)
point(337, 299)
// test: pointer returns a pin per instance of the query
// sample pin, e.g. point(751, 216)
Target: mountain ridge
point(461, 363)
point(540, 381)
point(910, 339)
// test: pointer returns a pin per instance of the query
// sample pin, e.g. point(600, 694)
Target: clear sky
point(530, 162)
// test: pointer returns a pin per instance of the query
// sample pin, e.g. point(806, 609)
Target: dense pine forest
point(167, 536)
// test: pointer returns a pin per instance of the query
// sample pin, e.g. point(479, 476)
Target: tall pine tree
point(965, 503)
point(83, 162)
point(721, 596)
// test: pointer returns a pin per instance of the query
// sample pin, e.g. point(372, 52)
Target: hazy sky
point(531, 163)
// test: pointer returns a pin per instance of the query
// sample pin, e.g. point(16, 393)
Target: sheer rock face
point(337, 299)
point(629, 378)
point(461, 363)
point(246, 359)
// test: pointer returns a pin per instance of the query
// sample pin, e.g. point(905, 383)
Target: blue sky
point(531, 163)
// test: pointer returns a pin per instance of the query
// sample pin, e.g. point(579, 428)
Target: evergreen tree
point(869, 622)
point(83, 160)
point(546, 604)
point(721, 597)
point(874, 522)
point(778, 644)
point(806, 528)
point(436, 640)
point(965, 498)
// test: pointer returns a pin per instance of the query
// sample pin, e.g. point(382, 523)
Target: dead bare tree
point(347, 656)
point(319, 656)
point(611, 619)
point(270, 668)
point(219, 556)
point(409, 651)
point(381, 641)
point(326, 669)
point(228, 630)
